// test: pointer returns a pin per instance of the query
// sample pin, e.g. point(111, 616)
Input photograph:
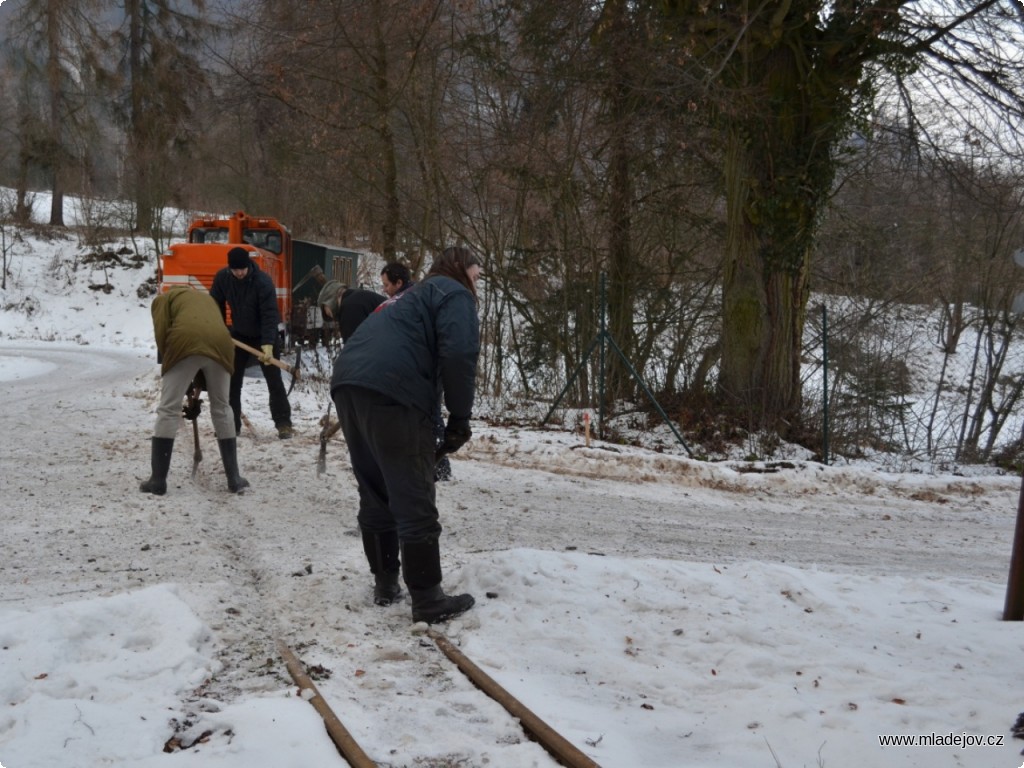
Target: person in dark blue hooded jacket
point(386, 383)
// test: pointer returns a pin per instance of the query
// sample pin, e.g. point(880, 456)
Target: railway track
point(246, 540)
point(563, 751)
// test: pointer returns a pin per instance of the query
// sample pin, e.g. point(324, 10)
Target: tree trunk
point(622, 282)
point(22, 211)
point(54, 79)
point(764, 297)
point(787, 81)
point(389, 161)
point(137, 130)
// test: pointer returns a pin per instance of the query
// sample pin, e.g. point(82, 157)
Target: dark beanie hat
point(238, 258)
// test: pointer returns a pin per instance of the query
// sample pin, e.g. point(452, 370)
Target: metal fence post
point(1014, 609)
point(824, 368)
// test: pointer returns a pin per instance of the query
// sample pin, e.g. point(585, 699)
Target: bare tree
point(343, 140)
point(54, 41)
point(159, 79)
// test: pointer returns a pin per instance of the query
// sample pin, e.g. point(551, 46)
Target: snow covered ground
point(655, 610)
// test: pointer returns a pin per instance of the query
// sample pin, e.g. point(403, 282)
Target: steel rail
point(556, 745)
point(561, 749)
point(342, 739)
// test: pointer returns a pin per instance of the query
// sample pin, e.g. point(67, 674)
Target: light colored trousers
point(174, 387)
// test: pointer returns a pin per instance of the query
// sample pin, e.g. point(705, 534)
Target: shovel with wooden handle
point(326, 434)
point(272, 361)
point(197, 452)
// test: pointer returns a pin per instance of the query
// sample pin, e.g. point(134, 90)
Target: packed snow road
point(283, 560)
point(77, 432)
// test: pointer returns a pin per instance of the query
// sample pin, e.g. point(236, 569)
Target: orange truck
point(298, 268)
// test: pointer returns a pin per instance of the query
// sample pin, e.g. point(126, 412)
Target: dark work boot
point(160, 463)
point(421, 565)
point(386, 588)
point(229, 456)
point(382, 554)
point(433, 605)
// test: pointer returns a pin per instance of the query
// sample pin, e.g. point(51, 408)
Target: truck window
point(208, 235)
point(267, 239)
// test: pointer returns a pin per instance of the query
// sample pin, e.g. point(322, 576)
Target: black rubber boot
point(421, 566)
point(386, 588)
point(160, 463)
point(382, 554)
point(229, 457)
point(433, 605)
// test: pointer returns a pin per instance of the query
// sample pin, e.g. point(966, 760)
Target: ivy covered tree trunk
point(764, 292)
point(778, 174)
point(786, 82)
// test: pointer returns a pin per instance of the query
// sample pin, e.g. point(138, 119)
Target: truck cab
point(195, 262)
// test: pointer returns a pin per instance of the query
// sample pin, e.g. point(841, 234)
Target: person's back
point(187, 322)
point(356, 305)
point(429, 339)
point(192, 344)
point(348, 307)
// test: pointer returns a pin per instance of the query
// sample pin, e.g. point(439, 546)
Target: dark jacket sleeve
point(458, 345)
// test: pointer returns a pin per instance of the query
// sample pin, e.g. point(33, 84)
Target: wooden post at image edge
point(1014, 610)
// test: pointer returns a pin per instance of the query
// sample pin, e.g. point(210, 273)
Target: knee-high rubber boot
point(421, 566)
point(160, 463)
point(229, 456)
point(382, 554)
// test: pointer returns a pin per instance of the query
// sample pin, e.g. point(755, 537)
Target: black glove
point(194, 402)
point(455, 436)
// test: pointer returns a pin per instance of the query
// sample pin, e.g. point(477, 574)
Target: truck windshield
point(209, 235)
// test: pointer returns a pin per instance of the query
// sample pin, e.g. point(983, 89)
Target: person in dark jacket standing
point(190, 338)
point(251, 294)
point(396, 280)
point(385, 386)
point(347, 306)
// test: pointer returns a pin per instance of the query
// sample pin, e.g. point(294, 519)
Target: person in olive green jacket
point(191, 338)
